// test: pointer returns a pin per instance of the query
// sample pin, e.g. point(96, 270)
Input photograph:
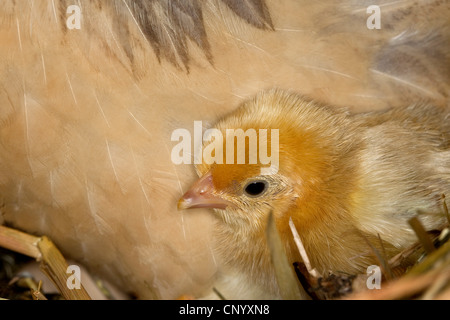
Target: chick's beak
point(201, 195)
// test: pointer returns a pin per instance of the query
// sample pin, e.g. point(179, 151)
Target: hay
point(52, 261)
point(428, 278)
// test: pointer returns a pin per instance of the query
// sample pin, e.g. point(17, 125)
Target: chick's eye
point(255, 188)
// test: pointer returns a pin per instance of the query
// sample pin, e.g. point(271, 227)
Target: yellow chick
point(342, 178)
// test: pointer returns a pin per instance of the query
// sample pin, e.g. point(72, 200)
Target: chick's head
point(307, 154)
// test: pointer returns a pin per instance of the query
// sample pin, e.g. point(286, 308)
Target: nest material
point(52, 262)
point(428, 278)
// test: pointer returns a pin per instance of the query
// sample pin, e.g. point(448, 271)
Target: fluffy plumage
point(343, 178)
